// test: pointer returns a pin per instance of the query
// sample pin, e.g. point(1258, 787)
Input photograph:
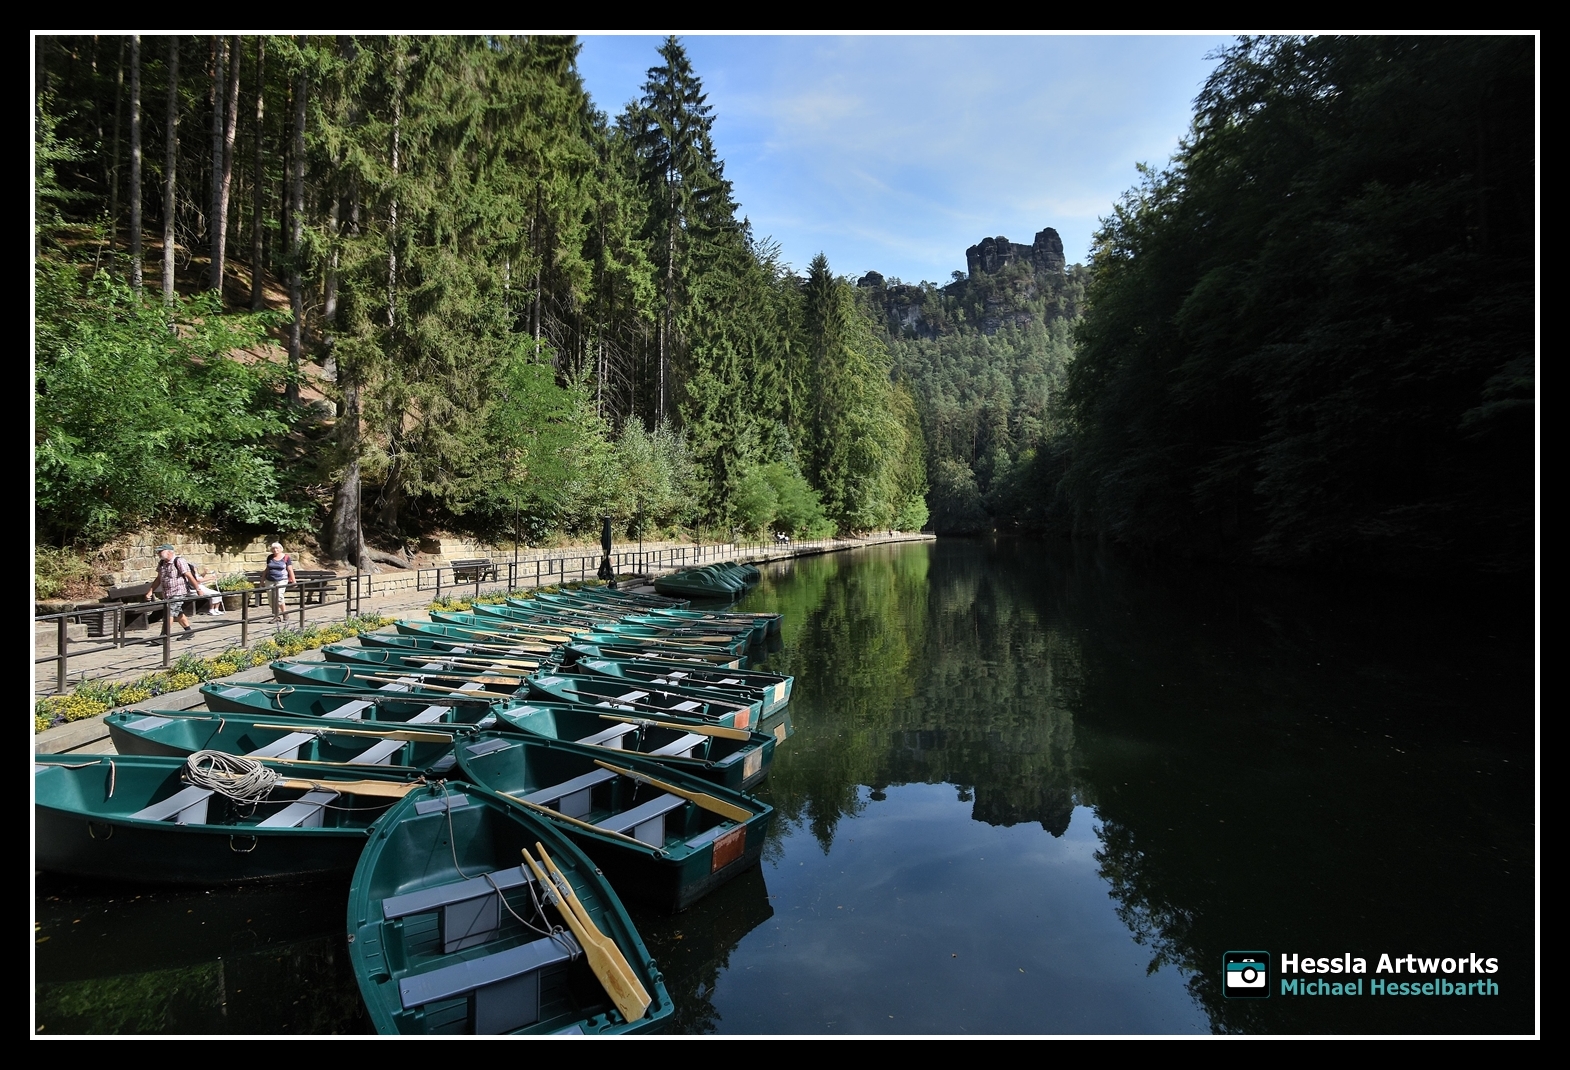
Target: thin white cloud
point(913, 148)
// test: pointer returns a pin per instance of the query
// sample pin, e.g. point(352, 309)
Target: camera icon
point(1247, 975)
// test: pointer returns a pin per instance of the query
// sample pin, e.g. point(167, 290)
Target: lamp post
point(606, 573)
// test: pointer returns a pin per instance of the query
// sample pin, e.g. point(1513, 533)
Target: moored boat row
point(620, 733)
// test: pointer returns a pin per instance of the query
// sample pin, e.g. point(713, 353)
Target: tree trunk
point(296, 242)
point(136, 164)
point(114, 169)
point(257, 185)
point(215, 97)
point(226, 183)
point(171, 158)
point(348, 544)
point(392, 218)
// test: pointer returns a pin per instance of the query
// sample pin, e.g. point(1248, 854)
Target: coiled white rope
point(244, 780)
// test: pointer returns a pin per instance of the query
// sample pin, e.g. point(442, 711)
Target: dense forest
point(1309, 340)
point(368, 287)
point(364, 287)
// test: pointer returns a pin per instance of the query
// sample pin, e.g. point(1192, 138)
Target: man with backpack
point(178, 581)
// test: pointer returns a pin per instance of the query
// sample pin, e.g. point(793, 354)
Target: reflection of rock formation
point(1052, 806)
point(992, 255)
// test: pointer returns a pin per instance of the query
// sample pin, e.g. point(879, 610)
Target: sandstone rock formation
point(991, 255)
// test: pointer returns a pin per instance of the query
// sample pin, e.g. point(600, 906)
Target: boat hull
point(430, 852)
point(693, 851)
point(86, 824)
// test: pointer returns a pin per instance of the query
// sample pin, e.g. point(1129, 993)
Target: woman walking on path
point(278, 574)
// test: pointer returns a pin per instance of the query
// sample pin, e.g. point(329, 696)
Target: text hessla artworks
point(1394, 964)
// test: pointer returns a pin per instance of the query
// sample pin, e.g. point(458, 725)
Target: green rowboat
point(134, 817)
point(660, 836)
point(450, 933)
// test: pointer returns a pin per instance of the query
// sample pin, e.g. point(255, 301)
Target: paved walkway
point(215, 634)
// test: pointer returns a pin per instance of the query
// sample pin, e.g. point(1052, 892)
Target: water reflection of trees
point(910, 673)
point(1035, 677)
point(305, 987)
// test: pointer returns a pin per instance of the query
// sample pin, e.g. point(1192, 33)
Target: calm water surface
point(1032, 789)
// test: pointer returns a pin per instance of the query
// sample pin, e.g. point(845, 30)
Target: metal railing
point(115, 632)
point(115, 622)
point(465, 580)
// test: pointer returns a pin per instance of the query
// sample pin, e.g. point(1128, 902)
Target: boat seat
point(187, 806)
point(681, 748)
point(686, 707)
point(503, 989)
point(304, 813)
point(645, 822)
point(350, 711)
point(378, 753)
point(572, 797)
point(429, 899)
point(489, 746)
point(435, 713)
point(286, 746)
point(609, 737)
point(143, 724)
point(469, 912)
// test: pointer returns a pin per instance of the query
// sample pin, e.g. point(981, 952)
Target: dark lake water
point(1033, 788)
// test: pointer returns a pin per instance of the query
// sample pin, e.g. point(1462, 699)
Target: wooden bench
point(136, 613)
point(473, 570)
point(310, 586)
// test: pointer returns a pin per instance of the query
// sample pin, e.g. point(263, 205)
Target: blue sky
point(894, 153)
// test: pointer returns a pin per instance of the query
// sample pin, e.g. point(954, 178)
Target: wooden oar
point(476, 647)
point(657, 691)
point(571, 895)
point(697, 729)
point(401, 734)
point(554, 635)
point(499, 666)
point(421, 678)
point(613, 971)
point(556, 815)
point(390, 789)
point(478, 695)
point(707, 659)
point(697, 798)
point(684, 678)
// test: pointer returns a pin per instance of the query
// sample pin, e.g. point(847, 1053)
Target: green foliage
point(528, 316)
point(655, 479)
point(144, 412)
point(57, 572)
point(1309, 340)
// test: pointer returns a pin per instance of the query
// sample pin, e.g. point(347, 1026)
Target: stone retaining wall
point(140, 563)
